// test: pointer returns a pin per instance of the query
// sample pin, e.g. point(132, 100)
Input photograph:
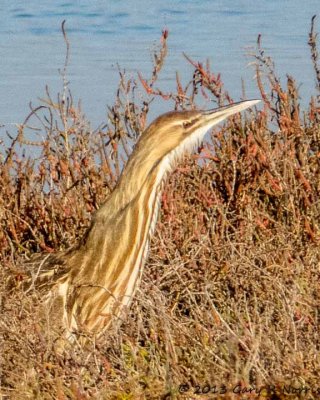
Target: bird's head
point(173, 134)
point(165, 142)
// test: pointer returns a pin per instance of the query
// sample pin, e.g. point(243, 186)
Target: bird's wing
point(43, 271)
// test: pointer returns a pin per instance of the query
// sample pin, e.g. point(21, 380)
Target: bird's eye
point(187, 124)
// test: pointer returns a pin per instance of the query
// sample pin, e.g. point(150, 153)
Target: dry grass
point(230, 293)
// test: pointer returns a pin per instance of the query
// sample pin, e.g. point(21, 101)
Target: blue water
point(106, 33)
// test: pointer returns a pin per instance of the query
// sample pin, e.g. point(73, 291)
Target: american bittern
point(89, 283)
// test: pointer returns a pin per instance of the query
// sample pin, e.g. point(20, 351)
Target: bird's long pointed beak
point(219, 114)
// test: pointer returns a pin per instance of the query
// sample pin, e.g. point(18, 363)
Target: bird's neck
point(138, 184)
point(113, 252)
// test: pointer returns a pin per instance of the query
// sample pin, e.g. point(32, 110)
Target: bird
point(89, 284)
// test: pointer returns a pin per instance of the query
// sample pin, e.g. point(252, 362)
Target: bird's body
point(88, 284)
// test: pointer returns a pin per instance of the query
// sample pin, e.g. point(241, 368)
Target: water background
point(106, 33)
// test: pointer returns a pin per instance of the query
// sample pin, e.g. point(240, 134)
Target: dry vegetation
point(230, 293)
